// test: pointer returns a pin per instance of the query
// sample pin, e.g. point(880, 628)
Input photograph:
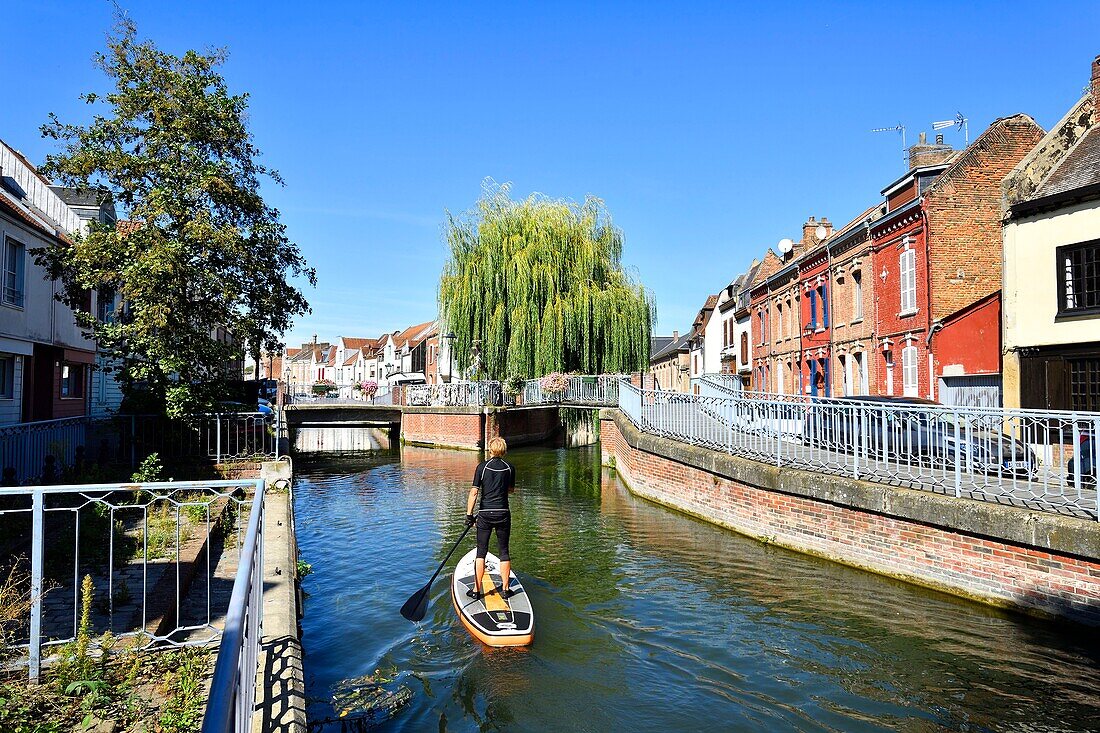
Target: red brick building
point(937, 250)
point(815, 373)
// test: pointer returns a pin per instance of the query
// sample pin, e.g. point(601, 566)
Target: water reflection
point(650, 620)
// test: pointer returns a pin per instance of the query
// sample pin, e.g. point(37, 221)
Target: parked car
point(1085, 457)
point(917, 430)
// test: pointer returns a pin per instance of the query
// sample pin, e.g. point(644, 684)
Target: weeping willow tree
point(539, 283)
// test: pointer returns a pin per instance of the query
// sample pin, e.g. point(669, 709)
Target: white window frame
point(907, 265)
point(909, 382)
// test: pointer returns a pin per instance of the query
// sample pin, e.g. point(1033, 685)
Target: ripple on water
point(650, 620)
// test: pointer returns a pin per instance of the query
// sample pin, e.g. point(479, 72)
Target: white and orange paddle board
point(492, 620)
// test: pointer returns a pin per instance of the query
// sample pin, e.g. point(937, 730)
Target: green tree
point(540, 284)
point(202, 254)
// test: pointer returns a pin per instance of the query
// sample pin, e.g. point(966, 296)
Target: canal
point(648, 620)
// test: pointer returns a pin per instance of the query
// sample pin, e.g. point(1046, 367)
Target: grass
point(105, 680)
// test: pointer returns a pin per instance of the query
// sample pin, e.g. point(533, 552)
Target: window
point(1084, 384)
point(857, 296)
point(909, 371)
point(7, 377)
point(72, 381)
point(760, 325)
point(824, 308)
point(745, 348)
point(813, 309)
point(105, 305)
point(779, 375)
point(907, 263)
point(1079, 278)
point(13, 272)
point(860, 374)
point(779, 321)
point(846, 373)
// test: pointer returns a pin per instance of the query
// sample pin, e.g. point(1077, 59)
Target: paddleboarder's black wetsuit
point(495, 477)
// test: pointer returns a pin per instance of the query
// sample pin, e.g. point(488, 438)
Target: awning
point(75, 356)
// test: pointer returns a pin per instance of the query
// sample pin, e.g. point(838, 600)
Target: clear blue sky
point(710, 130)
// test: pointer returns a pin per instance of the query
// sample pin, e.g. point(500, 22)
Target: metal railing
point(583, 390)
point(729, 382)
point(454, 394)
point(340, 394)
point(46, 452)
point(233, 688)
point(1029, 458)
point(160, 557)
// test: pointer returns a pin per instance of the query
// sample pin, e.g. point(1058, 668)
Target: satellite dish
point(785, 246)
point(821, 232)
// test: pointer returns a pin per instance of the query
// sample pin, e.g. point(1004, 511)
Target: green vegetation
point(202, 252)
point(106, 679)
point(539, 283)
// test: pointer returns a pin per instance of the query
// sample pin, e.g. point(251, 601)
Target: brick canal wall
point(473, 427)
point(1014, 558)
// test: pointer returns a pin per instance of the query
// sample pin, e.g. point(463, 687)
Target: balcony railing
point(1028, 458)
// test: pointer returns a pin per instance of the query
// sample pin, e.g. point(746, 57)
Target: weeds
point(105, 680)
point(15, 600)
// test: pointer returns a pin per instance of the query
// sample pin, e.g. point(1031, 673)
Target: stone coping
point(1052, 532)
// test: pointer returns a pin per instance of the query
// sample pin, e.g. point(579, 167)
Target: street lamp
point(450, 339)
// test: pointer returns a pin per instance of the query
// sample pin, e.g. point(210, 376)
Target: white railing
point(454, 394)
point(583, 390)
point(1029, 458)
point(154, 552)
point(729, 382)
point(339, 394)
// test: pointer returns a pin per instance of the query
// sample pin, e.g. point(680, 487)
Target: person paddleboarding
point(494, 480)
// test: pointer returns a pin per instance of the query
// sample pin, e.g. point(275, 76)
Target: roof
point(679, 345)
point(1080, 167)
point(658, 343)
point(84, 197)
point(353, 358)
point(357, 343)
point(413, 335)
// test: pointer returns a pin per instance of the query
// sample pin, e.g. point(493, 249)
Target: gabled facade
point(937, 251)
point(1051, 234)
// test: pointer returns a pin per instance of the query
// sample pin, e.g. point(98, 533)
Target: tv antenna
point(959, 123)
point(896, 128)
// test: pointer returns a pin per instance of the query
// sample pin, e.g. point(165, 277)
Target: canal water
point(648, 620)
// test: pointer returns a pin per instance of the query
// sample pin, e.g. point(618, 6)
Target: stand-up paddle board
point(492, 620)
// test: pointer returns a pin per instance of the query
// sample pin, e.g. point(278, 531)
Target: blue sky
point(711, 131)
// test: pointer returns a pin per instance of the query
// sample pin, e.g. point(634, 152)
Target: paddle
point(417, 605)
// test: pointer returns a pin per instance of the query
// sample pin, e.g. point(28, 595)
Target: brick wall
point(996, 571)
point(469, 428)
point(963, 210)
point(457, 430)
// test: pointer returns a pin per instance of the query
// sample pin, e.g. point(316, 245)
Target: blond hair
point(497, 447)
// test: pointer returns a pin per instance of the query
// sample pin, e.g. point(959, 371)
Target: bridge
point(1024, 458)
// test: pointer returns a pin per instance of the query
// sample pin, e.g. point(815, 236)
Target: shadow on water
point(650, 620)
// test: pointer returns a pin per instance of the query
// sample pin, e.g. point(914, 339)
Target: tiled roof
point(411, 333)
point(357, 343)
point(658, 344)
point(352, 359)
point(1080, 167)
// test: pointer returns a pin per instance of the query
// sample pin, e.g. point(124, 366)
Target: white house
point(45, 362)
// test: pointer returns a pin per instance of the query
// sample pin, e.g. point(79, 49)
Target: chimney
point(923, 154)
point(675, 335)
point(808, 231)
point(1096, 91)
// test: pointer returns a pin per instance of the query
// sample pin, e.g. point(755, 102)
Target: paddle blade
point(417, 605)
